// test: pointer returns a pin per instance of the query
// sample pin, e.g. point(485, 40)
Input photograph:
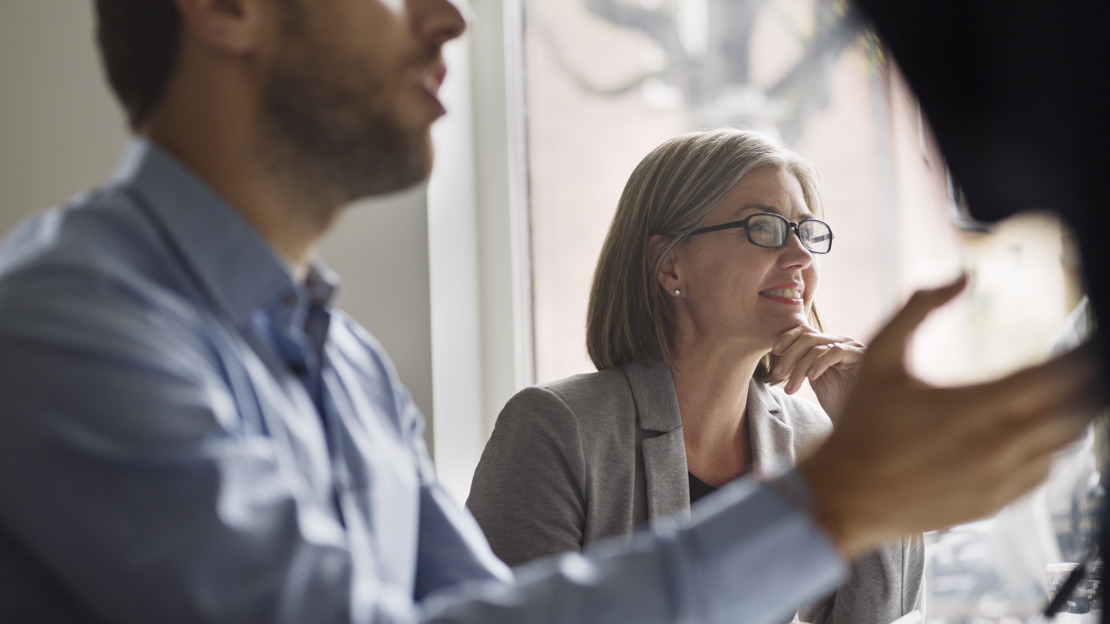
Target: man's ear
point(668, 273)
point(227, 26)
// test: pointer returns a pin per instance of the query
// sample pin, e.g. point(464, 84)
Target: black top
point(699, 488)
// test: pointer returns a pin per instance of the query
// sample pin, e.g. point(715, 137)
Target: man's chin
point(384, 189)
point(410, 168)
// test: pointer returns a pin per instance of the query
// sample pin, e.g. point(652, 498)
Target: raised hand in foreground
point(909, 457)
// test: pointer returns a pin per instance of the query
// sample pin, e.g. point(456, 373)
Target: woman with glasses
point(702, 325)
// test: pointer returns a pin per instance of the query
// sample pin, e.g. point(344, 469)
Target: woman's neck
point(712, 391)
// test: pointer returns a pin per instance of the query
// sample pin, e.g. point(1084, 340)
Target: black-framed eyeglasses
point(770, 230)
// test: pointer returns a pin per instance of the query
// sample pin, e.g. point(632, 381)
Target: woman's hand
point(831, 363)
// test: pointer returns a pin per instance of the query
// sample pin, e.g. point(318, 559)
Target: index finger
point(889, 346)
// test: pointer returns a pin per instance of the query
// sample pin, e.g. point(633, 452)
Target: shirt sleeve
point(747, 556)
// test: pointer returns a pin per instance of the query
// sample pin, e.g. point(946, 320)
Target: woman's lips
point(785, 293)
point(790, 293)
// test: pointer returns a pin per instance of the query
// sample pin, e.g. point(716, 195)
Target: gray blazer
point(595, 456)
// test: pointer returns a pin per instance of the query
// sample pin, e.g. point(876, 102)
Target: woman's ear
point(227, 26)
point(668, 273)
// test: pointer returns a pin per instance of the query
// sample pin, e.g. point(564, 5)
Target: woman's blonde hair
point(669, 193)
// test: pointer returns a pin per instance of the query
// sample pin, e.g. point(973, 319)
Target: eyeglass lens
point(768, 230)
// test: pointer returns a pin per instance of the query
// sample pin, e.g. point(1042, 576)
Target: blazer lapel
point(772, 439)
point(661, 443)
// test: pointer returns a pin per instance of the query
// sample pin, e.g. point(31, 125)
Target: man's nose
point(439, 21)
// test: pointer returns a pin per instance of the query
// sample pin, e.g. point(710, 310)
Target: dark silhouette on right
point(1017, 95)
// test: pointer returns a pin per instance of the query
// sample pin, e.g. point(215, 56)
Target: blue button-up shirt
point(188, 434)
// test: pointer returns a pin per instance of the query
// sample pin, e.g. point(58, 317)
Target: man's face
point(349, 91)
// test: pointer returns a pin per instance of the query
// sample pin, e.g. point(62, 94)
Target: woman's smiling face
point(735, 291)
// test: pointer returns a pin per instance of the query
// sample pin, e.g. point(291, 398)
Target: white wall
point(60, 131)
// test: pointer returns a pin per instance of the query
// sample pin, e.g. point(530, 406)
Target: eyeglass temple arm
point(715, 228)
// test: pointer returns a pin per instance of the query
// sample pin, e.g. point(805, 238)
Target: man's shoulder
point(100, 231)
point(95, 254)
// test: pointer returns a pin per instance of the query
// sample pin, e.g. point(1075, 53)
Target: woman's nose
point(794, 253)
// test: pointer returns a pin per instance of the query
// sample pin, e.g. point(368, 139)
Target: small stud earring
point(677, 292)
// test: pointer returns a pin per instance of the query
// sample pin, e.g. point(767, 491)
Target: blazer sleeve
point(527, 492)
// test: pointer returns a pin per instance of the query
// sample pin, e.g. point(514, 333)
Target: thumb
point(889, 346)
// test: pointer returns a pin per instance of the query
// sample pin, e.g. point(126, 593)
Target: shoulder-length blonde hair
point(669, 193)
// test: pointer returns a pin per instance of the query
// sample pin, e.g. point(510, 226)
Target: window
point(608, 80)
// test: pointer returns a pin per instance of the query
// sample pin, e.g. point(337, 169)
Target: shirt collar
point(230, 259)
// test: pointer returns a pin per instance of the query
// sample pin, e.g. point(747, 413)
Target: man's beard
point(337, 137)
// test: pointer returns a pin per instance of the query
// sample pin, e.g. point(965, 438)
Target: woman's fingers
point(801, 370)
point(805, 353)
point(840, 354)
point(796, 345)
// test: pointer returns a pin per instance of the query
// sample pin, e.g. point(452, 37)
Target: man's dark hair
point(138, 41)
